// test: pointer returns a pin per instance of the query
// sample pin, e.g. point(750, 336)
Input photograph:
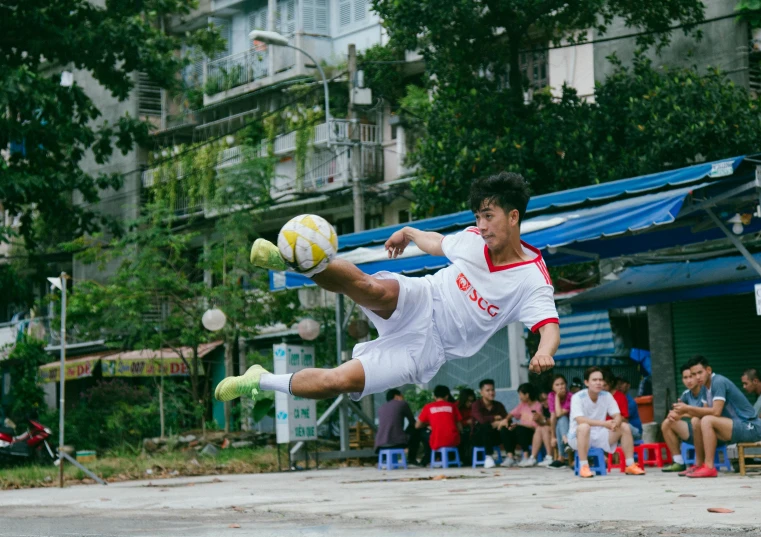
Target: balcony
point(326, 171)
point(339, 130)
point(236, 70)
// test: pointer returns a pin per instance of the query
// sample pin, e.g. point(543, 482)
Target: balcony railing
point(233, 71)
point(325, 172)
point(339, 132)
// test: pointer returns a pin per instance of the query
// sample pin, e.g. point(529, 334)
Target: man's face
point(595, 383)
point(688, 379)
point(751, 386)
point(701, 373)
point(487, 392)
point(496, 226)
point(399, 397)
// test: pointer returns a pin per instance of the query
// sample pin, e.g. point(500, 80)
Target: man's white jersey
point(473, 298)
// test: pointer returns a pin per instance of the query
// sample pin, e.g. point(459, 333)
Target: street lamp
point(214, 319)
point(60, 283)
point(274, 38)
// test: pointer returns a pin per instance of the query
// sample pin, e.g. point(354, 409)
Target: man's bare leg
point(325, 383)
point(379, 296)
point(582, 441)
point(697, 435)
point(714, 428)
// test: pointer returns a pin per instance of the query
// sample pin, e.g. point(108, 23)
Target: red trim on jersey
point(495, 268)
point(540, 324)
point(546, 273)
point(473, 230)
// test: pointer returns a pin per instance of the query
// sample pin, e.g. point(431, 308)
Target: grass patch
point(125, 466)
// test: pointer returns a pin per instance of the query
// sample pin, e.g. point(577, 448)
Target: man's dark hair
point(576, 381)
point(699, 360)
point(393, 392)
point(594, 369)
point(485, 382)
point(441, 392)
point(528, 389)
point(465, 394)
point(687, 365)
point(751, 373)
point(506, 189)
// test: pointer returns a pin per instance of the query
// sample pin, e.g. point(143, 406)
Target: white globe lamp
point(214, 319)
point(309, 329)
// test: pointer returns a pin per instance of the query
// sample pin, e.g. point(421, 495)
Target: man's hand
point(554, 442)
point(396, 244)
point(680, 408)
point(610, 425)
point(673, 416)
point(540, 363)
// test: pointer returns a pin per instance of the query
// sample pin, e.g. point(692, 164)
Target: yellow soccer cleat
point(244, 385)
point(266, 255)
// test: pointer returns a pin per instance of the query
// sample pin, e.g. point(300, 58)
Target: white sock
point(678, 459)
point(585, 462)
point(279, 383)
point(629, 462)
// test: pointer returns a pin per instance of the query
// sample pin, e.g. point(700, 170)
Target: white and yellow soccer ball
point(307, 243)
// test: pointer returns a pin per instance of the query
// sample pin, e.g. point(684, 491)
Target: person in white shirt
point(596, 421)
point(494, 279)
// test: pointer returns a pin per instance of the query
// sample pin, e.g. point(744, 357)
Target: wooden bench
point(741, 455)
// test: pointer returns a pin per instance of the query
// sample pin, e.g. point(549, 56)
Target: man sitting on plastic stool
point(589, 427)
point(444, 419)
point(678, 426)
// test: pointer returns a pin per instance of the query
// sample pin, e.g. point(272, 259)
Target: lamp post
point(274, 38)
point(60, 283)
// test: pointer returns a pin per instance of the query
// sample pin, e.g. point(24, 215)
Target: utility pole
point(354, 137)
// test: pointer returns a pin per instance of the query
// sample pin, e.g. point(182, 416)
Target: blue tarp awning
point(617, 218)
point(564, 199)
point(668, 282)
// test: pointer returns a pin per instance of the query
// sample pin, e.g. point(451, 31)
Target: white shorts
point(408, 349)
point(599, 437)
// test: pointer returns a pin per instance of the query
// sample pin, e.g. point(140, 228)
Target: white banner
point(295, 417)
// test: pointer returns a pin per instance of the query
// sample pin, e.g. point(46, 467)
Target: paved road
point(341, 503)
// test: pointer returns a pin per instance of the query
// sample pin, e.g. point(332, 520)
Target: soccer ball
point(307, 242)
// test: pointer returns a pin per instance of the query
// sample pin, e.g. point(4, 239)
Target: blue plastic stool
point(688, 453)
point(600, 465)
point(445, 460)
point(479, 461)
point(541, 455)
point(391, 459)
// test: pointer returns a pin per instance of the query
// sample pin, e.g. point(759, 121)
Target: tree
point(26, 395)
point(460, 39)
point(643, 120)
point(50, 128)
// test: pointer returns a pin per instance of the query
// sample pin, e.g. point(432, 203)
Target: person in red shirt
point(609, 385)
point(443, 418)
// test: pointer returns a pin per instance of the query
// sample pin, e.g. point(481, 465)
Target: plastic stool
point(479, 461)
point(621, 464)
point(541, 455)
point(392, 458)
point(644, 452)
point(445, 460)
point(598, 467)
point(725, 462)
point(688, 453)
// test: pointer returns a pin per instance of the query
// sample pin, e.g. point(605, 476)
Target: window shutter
point(263, 18)
point(321, 20)
point(344, 14)
point(360, 10)
point(225, 31)
point(308, 14)
point(290, 18)
point(252, 22)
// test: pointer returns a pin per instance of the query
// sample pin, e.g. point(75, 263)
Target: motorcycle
point(31, 445)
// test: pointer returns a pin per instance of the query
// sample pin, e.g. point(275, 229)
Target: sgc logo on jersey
point(464, 285)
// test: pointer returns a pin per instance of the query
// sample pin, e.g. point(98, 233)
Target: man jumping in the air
point(494, 279)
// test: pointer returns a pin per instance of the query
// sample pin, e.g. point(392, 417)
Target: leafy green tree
point(50, 128)
point(26, 394)
point(643, 120)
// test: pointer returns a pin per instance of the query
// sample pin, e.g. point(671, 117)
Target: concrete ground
point(417, 502)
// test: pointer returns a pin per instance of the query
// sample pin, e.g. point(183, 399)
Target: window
point(316, 17)
point(225, 31)
point(257, 20)
point(404, 216)
point(534, 68)
point(285, 22)
point(148, 97)
point(350, 12)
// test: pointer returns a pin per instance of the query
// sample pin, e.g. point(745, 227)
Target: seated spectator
point(610, 383)
point(443, 418)
point(752, 385)
point(576, 385)
point(729, 418)
point(542, 434)
point(560, 408)
point(677, 427)
point(391, 431)
point(635, 422)
point(464, 403)
point(589, 428)
point(520, 426)
point(487, 414)
point(645, 386)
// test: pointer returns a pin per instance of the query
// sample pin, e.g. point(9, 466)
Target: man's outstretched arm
point(428, 241)
point(548, 346)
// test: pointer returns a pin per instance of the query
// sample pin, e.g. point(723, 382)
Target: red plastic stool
point(652, 455)
point(621, 464)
